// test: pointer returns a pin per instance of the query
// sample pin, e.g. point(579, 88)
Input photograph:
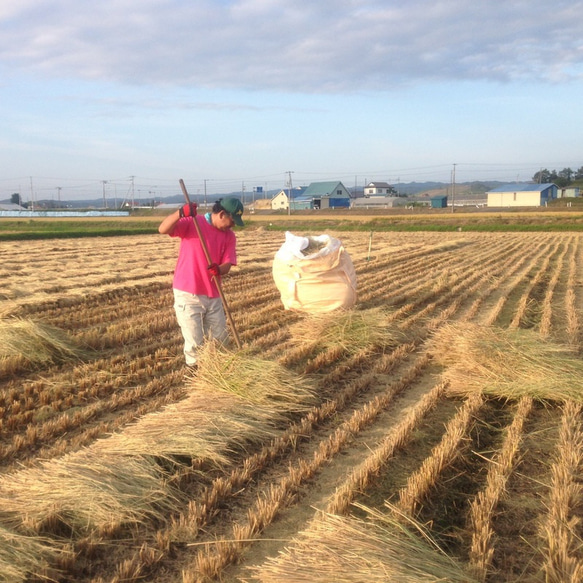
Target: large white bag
point(318, 282)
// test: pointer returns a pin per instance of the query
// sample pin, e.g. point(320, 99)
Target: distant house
point(522, 194)
point(281, 200)
point(328, 195)
point(379, 189)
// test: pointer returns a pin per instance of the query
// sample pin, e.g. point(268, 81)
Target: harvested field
point(401, 433)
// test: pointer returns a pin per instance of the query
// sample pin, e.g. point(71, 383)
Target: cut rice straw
point(86, 492)
point(255, 380)
point(204, 426)
point(351, 550)
point(352, 330)
point(21, 556)
point(506, 363)
point(35, 342)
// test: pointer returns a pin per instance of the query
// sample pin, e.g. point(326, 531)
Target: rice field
point(432, 433)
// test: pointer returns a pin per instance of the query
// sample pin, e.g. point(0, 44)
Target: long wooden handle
point(215, 278)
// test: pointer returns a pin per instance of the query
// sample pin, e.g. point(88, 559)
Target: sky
point(110, 97)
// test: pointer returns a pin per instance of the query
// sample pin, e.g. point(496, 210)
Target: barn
point(522, 194)
point(328, 195)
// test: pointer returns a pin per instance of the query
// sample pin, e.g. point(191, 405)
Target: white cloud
point(317, 46)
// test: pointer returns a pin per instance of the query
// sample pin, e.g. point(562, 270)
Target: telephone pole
point(31, 195)
point(453, 189)
point(133, 191)
point(289, 184)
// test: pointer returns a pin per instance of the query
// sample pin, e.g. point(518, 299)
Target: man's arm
point(167, 225)
point(222, 269)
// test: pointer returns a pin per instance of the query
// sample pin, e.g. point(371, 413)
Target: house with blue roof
point(328, 195)
point(522, 194)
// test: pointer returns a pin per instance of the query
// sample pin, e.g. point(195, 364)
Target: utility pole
point(289, 184)
point(205, 203)
point(31, 195)
point(453, 189)
point(59, 194)
point(104, 200)
point(132, 179)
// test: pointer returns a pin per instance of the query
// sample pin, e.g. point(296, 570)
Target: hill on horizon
point(408, 189)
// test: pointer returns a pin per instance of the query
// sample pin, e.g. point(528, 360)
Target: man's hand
point(188, 210)
point(214, 269)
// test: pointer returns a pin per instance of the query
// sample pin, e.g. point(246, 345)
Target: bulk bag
point(314, 274)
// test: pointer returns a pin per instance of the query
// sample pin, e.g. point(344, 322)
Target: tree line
point(562, 178)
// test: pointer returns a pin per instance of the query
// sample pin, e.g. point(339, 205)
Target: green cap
point(235, 208)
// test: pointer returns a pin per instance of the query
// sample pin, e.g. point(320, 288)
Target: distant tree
point(542, 176)
point(15, 198)
point(561, 179)
point(579, 174)
point(564, 177)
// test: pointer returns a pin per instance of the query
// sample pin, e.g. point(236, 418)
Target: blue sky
point(236, 94)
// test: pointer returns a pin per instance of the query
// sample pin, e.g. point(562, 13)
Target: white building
point(281, 200)
point(379, 189)
point(522, 194)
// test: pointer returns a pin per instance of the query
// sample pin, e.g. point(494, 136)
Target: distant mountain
point(407, 189)
point(475, 187)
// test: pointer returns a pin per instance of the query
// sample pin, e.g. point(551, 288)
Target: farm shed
point(328, 195)
point(375, 202)
point(302, 203)
point(569, 192)
point(439, 202)
point(524, 194)
point(281, 199)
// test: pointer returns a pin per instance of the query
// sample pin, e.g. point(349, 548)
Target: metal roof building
point(522, 194)
point(328, 195)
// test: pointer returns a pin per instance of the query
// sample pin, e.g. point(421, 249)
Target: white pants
point(200, 318)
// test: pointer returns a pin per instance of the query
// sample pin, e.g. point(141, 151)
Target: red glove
point(214, 269)
point(188, 210)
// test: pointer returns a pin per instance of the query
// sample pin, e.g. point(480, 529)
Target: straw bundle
point(351, 550)
point(506, 363)
point(21, 556)
point(84, 492)
point(255, 380)
point(203, 426)
point(35, 342)
point(351, 330)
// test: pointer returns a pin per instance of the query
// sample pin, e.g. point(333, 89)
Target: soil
point(231, 517)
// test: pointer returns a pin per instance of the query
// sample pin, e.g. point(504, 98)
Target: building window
point(339, 192)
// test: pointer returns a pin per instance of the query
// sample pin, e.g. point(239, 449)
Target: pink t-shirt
point(191, 274)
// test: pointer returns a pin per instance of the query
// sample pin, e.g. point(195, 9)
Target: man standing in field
point(197, 302)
